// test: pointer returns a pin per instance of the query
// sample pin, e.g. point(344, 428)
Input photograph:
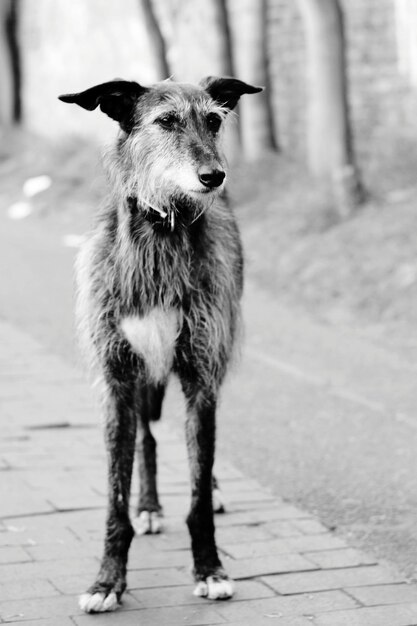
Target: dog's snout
point(211, 177)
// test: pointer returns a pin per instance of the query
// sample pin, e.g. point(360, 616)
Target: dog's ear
point(116, 98)
point(227, 91)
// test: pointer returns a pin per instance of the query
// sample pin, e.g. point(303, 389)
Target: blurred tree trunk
point(7, 90)
point(226, 39)
point(198, 44)
point(248, 26)
point(156, 39)
point(196, 36)
point(329, 134)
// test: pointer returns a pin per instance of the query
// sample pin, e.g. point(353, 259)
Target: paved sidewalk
point(290, 570)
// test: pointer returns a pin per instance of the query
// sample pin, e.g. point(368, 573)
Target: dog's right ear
point(116, 98)
point(227, 91)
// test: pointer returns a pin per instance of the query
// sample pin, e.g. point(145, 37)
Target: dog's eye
point(167, 121)
point(213, 122)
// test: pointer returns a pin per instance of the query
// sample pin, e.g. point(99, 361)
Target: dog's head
point(170, 142)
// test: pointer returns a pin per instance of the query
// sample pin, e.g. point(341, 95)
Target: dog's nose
point(211, 177)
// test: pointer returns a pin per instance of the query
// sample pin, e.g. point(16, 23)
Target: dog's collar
point(167, 217)
point(164, 214)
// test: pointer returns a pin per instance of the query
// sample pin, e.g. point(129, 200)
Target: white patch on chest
point(153, 337)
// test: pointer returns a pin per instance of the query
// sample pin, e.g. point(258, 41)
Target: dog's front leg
point(120, 431)
point(212, 580)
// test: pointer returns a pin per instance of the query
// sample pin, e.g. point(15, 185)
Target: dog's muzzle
point(210, 177)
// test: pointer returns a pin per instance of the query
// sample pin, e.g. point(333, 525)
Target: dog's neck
point(179, 211)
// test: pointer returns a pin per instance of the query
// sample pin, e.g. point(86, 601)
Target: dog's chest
point(153, 337)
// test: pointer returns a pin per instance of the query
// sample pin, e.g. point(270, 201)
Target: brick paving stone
point(22, 536)
point(37, 608)
point(36, 588)
point(257, 548)
point(167, 541)
point(18, 499)
point(280, 511)
point(283, 606)
point(346, 557)
point(310, 527)
point(169, 577)
point(27, 460)
point(139, 559)
point(261, 516)
point(146, 546)
point(69, 550)
point(239, 534)
point(90, 519)
point(311, 545)
point(14, 554)
point(73, 584)
point(280, 563)
point(251, 507)
point(385, 594)
point(264, 621)
point(63, 621)
point(46, 569)
point(176, 505)
point(178, 596)
point(240, 497)
point(171, 475)
point(282, 529)
point(169, 489)
point(86, 521)
point(172, 616)
point(332, 579)
point(74, 499)
point(394, 615)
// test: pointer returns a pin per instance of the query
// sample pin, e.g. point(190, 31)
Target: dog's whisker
point(203, 210)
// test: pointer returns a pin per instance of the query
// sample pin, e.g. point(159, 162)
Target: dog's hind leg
point(149, 511)
point(212, 580)
point(120, 400)
point(219, 505)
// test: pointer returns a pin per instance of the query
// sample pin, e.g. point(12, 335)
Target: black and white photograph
point(208, 312)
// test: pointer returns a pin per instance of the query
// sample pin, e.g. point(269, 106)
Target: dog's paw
point(219, 505)
point(215, 588)
point(148, 523)
point(98, 602)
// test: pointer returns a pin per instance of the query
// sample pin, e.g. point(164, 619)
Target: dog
point(159, 283)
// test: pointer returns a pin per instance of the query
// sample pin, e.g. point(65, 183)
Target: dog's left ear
point(227, 91)
point(116, 98)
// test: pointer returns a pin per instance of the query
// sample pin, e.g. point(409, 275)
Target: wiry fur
point(159, 282)
point(116, 280)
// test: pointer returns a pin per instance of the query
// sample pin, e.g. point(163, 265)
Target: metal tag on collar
point(171, 220)
point(161, 212)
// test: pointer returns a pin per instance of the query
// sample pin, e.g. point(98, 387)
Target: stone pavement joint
point(290, 569)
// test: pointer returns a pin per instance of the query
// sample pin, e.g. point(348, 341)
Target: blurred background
point(323, 179)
